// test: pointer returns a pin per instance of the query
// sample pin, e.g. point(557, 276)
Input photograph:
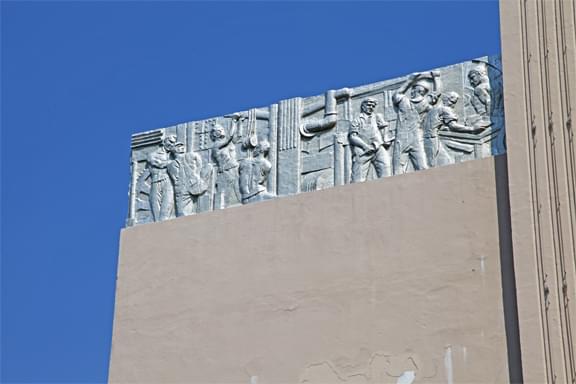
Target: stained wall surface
point(539, 62)
point(397, 280)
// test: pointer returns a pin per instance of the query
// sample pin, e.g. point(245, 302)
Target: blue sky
point(79, 77)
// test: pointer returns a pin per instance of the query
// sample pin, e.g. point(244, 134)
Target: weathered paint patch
point(448, 365)
point(406, 378)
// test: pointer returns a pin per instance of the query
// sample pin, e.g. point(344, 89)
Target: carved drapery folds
point(348, 135)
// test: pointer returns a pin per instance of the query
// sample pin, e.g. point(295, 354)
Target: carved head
point(477, 76)
point(418, 91)
point(178, 148)
point(368, 105)
point(433, 97)
point(171, 144)
point(217, 132)
point(450, 98)
point(263, 147)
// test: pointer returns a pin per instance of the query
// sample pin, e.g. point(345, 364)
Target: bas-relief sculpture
point(350, 135)
point(185, 173)
point(224, 157)
point(367, 141)
point(412, 102)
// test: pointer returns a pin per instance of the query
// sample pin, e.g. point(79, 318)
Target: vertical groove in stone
point(273, 153)
point(190, 137)
point(542, 194)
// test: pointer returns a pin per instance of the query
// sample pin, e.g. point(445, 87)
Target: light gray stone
point(423, 120)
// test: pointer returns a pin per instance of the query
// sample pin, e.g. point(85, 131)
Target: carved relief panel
point(348, 135)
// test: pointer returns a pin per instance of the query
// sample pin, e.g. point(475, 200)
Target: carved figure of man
point(368, 145)
point(161, 196)
point(184, 171)
point(254, 174)
point(482, 99)
point(441, 116)
point(224, 155)
point(409, 145)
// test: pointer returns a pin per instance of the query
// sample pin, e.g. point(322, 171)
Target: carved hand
point(236, 116)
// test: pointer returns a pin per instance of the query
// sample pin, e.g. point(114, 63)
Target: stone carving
point(224, 156)
point(442, 116)
point(484, 117)
point(329, 104)
point(481, 99)
point(302, 144)
point(255, 168)
point(368, 145)
point(161, 196)
point(254, 172)
point(411, 102)
point(185, 173)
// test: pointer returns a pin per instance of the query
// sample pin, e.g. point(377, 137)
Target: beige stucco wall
point(360, 283)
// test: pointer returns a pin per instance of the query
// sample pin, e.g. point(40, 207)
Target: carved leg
point(418, 156)
point(154, 199)
point(444, 157)
point(231, 187)
point(400, 158)
point(182, 200)
point(356, 171)
point(382, 163)
point(167, 200)
point(431, 147)
point(359, 169)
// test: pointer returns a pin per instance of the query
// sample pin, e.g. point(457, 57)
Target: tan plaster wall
point(360, 283)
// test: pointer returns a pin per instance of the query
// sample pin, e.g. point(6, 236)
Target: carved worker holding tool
point(368, 146)
point(411, 102)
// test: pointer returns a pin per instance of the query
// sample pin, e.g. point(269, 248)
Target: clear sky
point(79, 77)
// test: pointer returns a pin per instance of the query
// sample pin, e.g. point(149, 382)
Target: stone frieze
point(349, 135)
